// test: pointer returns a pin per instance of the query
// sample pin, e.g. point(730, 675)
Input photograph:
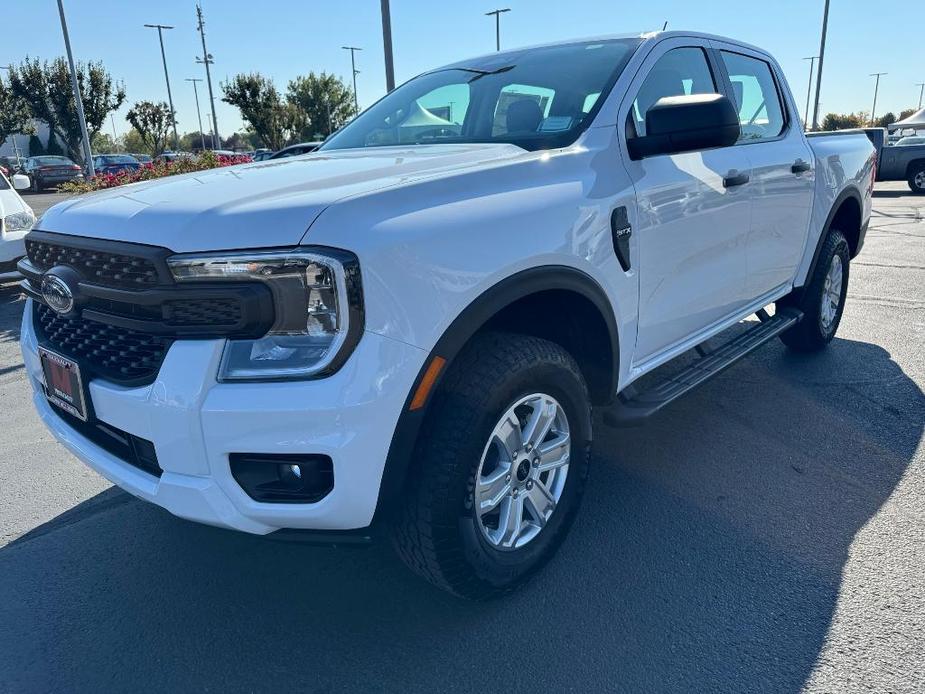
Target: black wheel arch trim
point(847, 193)
point(468, 323)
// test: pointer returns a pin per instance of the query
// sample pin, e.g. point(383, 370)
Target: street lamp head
point(494, 12)
point(158, 26)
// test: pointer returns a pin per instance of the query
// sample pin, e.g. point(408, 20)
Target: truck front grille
point(109, 351)
point(99, 267)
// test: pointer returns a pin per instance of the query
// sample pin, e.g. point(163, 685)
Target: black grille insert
point(97, 266)
point(109, 351)
point(130, 449)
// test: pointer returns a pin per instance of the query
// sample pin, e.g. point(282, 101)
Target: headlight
point(318, 303)
point(21, 221)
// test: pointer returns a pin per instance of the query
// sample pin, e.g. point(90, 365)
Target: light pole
point(825, 27)
point(112, 120)
point(88, 153)
point(173, 114)
point(497, 14)
point(387, 46)
point(921, 92)
point(873, 109)
point(353, 66)
point(202, 135)
point(809, 90)
point(207, 60)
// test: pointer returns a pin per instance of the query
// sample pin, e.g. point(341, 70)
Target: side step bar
point(633, 407)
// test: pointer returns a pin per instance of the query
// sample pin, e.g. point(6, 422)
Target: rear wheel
point(822, 300)
point(500, 468)
point(917, 179)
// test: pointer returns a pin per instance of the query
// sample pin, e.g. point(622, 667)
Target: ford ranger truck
point(404, 333)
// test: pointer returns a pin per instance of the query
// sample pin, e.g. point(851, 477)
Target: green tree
point(887, 118)
point(192, 142)
point(36, 148)
point(133, 142)
point(14, 114)
point(152, 122)
point(272, 119)
point(845, 121)
point(906, 112)
point(102, 143)
point(46, 89)
point(52, 147)
point(325, 100)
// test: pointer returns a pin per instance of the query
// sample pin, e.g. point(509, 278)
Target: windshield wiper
point(481, 73)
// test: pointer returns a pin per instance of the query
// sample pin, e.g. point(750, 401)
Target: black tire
point(436, 532)
point(812, 333)
point(36, 185)
point(917, 179)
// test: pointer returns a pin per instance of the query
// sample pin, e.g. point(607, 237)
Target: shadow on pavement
point(708, 557)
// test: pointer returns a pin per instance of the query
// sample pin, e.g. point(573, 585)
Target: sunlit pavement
point(765, 534)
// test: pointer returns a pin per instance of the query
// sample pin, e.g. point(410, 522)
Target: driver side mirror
point(687, 123)
point(20, 182)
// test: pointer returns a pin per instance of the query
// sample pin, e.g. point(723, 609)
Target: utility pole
point(825, 27)
point(207, 60)
point(173, 114)
point(809, 89)
point(112, 120)
point(202, 135)
point(873, 109)
point(353, 65)
point(497, 14)
point(921, 92)
point(387, 46)
point(88, 153)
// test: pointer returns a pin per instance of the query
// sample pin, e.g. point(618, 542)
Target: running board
point(631, 407)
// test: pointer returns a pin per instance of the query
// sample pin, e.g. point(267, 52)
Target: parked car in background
point(899, 162)
point(173, 156)
point(911, 140)
point(16, 219)
point(408, 334)
point(48, 171)
point(141, 158)
point(115, 163)
point(261, 154)
point(295, 150)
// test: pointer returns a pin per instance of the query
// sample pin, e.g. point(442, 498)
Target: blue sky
point(284, 38)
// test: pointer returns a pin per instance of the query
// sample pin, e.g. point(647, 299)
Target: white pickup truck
point(406, 331)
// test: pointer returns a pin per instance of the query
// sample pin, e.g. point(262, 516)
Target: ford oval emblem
point(57, 294)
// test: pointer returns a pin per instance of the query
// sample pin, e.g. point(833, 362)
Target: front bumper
point(196, 422)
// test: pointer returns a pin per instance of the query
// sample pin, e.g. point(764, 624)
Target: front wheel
point(822, 300)
point(917, 179)
point(500, 468)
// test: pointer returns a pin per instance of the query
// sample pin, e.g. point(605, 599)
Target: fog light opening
point(283, 478)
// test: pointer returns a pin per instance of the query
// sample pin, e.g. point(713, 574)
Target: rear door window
point(756, 97)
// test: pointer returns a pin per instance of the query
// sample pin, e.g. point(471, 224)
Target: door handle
point(734, 179)
point(800, 166)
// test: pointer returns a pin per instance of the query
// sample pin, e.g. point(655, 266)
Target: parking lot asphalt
point(767, 533)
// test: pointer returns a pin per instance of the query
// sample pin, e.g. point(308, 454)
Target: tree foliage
point(103, 143)
point(887, 118)
point(313, 107)
point(14, 113)
point(274, 120)
point(906, 112)
point(46, 89)
point(845, 121)
point(152, 123)
point(36, 148)
point(325, 100)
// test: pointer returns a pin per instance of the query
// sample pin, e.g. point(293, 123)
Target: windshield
point(911, 141)
point(538, 98)
point(118, 159)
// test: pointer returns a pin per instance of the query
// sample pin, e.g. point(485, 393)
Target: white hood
point(259, 205)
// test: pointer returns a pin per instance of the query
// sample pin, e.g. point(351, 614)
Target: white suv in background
point(406, 330)
point(16, 219)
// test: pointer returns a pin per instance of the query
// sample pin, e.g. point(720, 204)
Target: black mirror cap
point(687, 123)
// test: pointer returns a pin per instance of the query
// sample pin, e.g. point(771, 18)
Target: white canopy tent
point(914, 122)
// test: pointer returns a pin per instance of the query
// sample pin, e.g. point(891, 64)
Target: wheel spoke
point(508, 434)
point(540, 502)
point(493, 488)
point(541, 420)
point(510, 521)
point(554, 453)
